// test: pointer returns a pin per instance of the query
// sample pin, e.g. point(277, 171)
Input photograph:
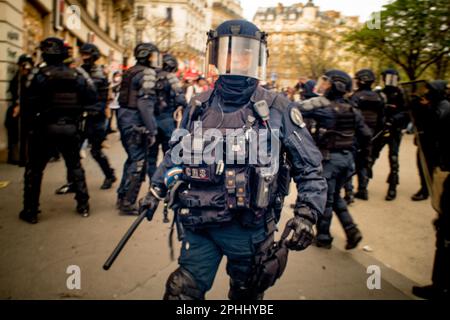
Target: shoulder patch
point(296, 117)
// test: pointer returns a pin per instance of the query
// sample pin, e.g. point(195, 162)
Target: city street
point(34, 258)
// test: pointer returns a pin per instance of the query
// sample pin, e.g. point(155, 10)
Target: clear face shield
point(236, 55)
point(322, 86)
point(155, 59)
point(391, 80)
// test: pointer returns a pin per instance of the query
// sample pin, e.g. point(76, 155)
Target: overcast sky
point(361, 8)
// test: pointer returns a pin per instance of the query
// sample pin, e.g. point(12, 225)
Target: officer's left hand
point(303, 233)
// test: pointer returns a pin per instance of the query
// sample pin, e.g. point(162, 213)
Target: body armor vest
point(371, 105)
point(341, 135)
point(128, 95)
point(166, 103)
point(101, 83)
point(62, 84)
point(215, 191)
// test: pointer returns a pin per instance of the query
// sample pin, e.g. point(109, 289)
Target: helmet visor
point(323, 84)
point(234, 55)
point(155, 59)
point(391, 80)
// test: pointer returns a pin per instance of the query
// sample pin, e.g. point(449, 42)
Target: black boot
point(430, 292)
point(107, 184)
point(29, 216)
point(128, 209)
point(349, 197)
point(420, 195)
point(354, 237)
point(83, 209)
point(65, 189)
point(362, 194)
point(392, 193)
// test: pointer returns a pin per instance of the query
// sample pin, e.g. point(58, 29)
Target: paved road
point(34, 259)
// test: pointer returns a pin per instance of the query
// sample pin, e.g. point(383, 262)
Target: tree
point(414, 34)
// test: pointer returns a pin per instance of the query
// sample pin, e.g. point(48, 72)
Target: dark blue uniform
point(95, 126)
point(219, 215)
point(59, 95)
point(137, 126)
point(170, 97)
point(338, 125)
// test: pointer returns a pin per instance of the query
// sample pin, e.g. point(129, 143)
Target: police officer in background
point(371, 105)
point(338, 126)
point(58, 95)
point(94, 124)
point(231, 208)
point(396, 119)
point(431, 115)
point(170, 105)
point(138, 128)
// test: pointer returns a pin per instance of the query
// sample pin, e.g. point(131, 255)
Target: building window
point(169, 14)
point(139, 36)
point(140, 13)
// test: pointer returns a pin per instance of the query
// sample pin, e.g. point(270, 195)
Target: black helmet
point(365, 77)
point(92, 50)
point(391, 77)
point(170, 63)
point(53, 50)
point(25, 58)
point(237, 47)
point(341, 82)
point(148, 54)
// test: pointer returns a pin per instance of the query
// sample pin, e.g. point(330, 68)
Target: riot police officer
point(94, 122)
point(338, 126)
point(230, 207)
point(396, 119)
point(431, 115)
point(58, 95)
point(136, 122)
point(170, 105)
point(371, 105)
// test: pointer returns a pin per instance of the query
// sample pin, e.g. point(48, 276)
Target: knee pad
point(182, 286)
point(243, 293)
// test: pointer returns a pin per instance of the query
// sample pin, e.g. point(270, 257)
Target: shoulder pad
point(85, 75)
point(148, 81)
point(98, 72)
point(313, 103)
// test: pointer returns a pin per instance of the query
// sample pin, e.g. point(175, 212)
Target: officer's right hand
point(149, 204)
point(303, 233)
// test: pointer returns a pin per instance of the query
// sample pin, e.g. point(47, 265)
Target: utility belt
point(226, 188)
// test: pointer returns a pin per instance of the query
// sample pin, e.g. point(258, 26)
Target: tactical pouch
point(271, 260)
point(211, 198)
point(263, 182)
point(284, 179)
point(202, 173)
point(237, 184)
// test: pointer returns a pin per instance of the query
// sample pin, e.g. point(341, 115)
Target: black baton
point(124, 240)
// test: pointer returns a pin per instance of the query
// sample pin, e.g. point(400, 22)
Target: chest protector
point(62, 89)
point(341, 135)
point(165, 103)
point(217, 190)
point(371, 105)
point(128, 95)
point(101, 83)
